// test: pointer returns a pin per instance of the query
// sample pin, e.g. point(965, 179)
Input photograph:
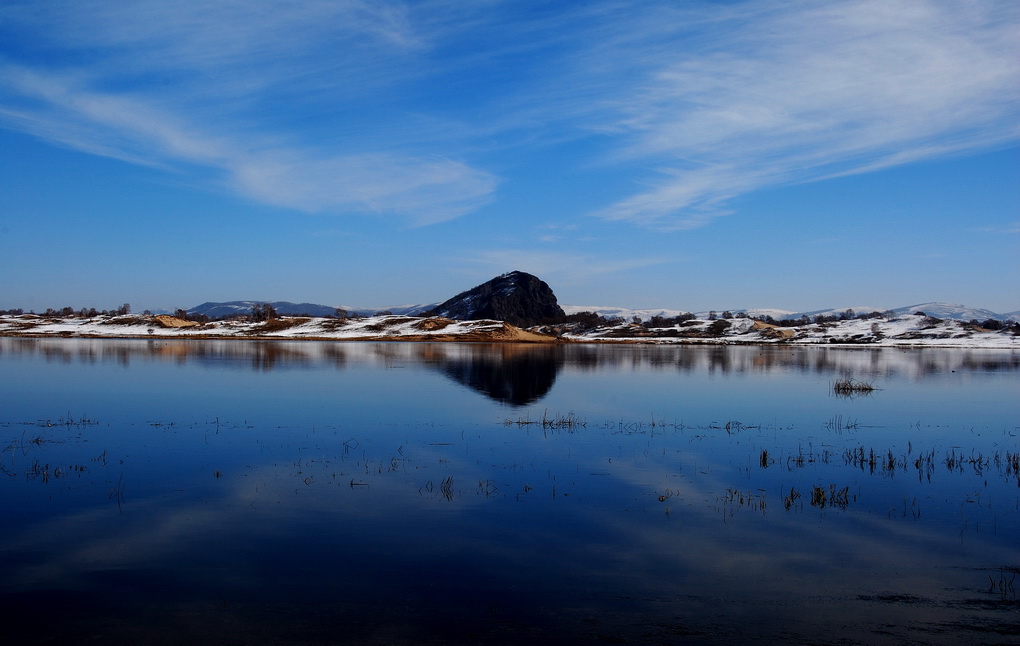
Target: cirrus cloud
point(799, 92)
point(401, 108)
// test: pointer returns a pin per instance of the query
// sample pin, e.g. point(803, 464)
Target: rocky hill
point(518, 298)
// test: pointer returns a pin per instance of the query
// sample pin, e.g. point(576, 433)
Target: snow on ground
point(951, 311)
point(903, 331)
point(382, 327)
point(937, 309)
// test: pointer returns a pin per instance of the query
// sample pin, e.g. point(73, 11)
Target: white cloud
point(806, 91)
point(221, 65)
point(423, 189)
point(428, 190)
point(384, 107)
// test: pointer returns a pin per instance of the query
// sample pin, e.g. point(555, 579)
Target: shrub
point(717, 327)
point(278, 324)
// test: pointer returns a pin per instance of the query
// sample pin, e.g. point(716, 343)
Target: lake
point(383, 493)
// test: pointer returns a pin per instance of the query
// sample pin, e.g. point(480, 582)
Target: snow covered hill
point(952, 311)
point(911, 330)
point(939, 310)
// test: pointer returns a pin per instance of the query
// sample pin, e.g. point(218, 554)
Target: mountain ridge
point(523, 299)
point(226, 309)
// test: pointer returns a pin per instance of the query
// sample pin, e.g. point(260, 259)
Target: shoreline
point(913, 331)
point(469, 339)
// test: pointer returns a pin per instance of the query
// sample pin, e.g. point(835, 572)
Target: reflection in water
point(515, 374)
point(461, 361)
point(306, 492)
point(511, 374)
point(521, 374)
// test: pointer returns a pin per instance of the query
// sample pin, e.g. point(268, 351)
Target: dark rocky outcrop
point(518, 298)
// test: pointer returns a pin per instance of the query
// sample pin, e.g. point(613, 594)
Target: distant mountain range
point(235, 308)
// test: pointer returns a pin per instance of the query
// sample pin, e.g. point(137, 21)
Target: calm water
point(300, 492)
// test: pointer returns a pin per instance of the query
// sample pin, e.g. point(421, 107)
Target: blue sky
point(685, 155)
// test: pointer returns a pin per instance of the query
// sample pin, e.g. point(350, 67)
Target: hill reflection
point(511, 374)
point(520, 374)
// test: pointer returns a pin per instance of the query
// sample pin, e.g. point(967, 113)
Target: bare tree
point(264, 312)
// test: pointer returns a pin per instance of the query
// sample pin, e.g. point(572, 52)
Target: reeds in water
point(849, 386)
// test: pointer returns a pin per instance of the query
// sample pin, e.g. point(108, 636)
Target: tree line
point(70, 312)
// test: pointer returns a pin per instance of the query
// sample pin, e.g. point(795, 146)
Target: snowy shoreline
point(908, 331)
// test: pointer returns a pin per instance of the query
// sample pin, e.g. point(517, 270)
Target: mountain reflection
point(520, 374)
point(511, 374)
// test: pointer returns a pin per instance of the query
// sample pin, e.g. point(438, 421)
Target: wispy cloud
point(222, 68)
point(388, 107)
point(1008, 229)
point(433, 190)
point(776, 94)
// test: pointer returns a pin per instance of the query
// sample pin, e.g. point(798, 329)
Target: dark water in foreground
point(300, 492)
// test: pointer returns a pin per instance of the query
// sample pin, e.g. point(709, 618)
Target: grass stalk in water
point(851, 386)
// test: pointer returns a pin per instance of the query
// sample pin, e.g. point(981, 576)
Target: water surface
point(300, 492)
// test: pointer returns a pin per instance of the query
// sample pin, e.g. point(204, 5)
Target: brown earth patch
point(127, 320)
point(434, 323)
point(165, 320)
point(507, 332)
point(388, 322)
point(334, 324)
point(277, 325)
point(773, 331)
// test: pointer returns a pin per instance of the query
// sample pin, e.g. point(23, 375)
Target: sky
point(681, 155)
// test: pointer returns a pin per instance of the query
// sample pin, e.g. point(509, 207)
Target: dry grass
point(388, 322)
point(434, 323)
point(278, 325)
point(165, 320)
point(127, 320)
